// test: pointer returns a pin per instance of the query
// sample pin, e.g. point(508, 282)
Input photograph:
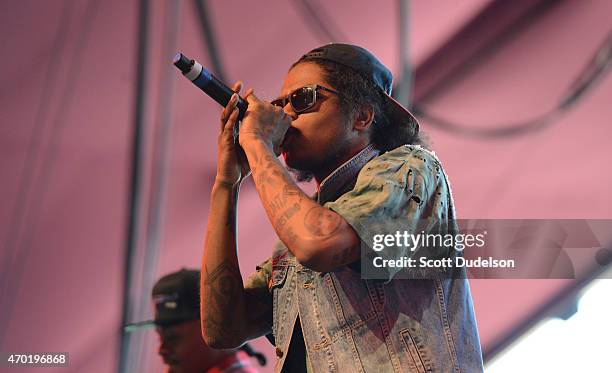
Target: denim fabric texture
point(354, 325)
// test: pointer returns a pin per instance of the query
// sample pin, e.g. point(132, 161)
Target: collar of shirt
point(343, 178)
point(235, 363)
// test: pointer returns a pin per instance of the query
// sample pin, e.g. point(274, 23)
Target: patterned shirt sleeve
point(262, 276)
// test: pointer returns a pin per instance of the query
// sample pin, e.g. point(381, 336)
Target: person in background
point(176, 298)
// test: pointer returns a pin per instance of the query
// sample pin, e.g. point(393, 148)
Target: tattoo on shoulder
point(321, 221)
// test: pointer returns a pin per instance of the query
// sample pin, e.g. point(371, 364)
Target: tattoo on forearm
point(277, 203)
point(263, 177)
point(224, 287)
point(291, 191)
point(269, 175)
point(287, 214)
point(270, 160)
point(289, 236)
point(322, 222)
point(255, 158)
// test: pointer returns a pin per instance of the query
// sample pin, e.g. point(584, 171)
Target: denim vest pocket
point(416, 356)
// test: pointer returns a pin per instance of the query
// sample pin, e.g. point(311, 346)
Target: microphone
point(208, 83)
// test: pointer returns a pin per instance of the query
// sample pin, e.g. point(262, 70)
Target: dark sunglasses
point(303, 98)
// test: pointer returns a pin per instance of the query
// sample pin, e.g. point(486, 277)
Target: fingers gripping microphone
point(208, 83)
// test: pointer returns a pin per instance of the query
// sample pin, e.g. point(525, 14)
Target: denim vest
point(355, 325)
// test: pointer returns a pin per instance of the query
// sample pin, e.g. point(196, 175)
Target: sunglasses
point(303, 98)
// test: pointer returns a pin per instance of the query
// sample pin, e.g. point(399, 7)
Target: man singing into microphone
point(335, 121)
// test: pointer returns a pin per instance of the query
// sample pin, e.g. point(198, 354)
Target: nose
point(288, 109)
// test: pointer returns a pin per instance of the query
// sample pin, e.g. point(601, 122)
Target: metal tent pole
point(136, 181)
point(404, 86)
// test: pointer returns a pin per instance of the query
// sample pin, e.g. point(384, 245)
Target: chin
point(294, 162)
point(299, 172)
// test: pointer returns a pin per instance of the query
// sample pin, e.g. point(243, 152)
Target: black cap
point(176, 298)
point(365, 63)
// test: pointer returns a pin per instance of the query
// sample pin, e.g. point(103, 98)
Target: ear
point(364, 119)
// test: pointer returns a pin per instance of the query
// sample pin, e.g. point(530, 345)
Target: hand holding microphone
point(269, 123)
point(265, 123)
point(232, 165)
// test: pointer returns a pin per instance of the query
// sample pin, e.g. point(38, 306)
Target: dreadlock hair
point(357, 91)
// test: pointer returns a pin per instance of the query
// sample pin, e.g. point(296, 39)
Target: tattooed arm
point(230, 314)
point(318, 237)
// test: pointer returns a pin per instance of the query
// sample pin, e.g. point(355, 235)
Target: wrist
point(248, 141)
point(225, 185)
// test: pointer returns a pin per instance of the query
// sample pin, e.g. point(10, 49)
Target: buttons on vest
point(279, 352)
